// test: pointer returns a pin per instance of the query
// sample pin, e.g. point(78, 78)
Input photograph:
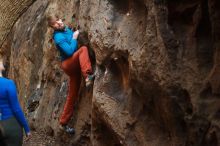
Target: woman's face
point(2, 68)
point(58, 24)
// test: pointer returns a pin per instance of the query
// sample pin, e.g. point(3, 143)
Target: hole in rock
point(105, 136)
point(205, 49)
point(121, 5)
point(116, 78)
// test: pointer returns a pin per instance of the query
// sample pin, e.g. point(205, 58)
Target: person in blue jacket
point(12, 119)
point(75, 62)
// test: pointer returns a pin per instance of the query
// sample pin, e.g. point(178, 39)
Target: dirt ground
point(39, 139)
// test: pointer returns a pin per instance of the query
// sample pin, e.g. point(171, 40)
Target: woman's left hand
point(28, 136)
point(76, 34)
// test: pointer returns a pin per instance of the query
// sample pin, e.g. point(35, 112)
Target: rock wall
point(156, 65)
point(10, 11)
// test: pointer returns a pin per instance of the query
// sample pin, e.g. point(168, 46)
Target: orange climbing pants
point(73, 67)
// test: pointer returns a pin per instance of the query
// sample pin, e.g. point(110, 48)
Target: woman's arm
point(15, 106)
point(66, 48)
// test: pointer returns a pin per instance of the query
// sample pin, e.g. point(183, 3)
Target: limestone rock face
point(156, 64)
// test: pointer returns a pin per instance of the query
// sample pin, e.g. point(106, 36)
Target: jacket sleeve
point(67, 48)
point(15, 106)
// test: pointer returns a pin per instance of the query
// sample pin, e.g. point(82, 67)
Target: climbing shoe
point(89, 80)
point(67, 129)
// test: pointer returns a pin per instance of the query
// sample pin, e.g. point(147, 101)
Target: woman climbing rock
point(74, 62)
point(12, 119)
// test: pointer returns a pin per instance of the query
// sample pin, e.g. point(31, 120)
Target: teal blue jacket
point(65, 43)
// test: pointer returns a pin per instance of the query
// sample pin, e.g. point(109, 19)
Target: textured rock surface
point(157, 71)
point(10, 11)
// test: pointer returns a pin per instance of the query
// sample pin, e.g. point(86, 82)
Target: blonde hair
point(1, 62)
point(51, 18)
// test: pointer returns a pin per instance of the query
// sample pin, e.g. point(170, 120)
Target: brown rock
point(156, 64)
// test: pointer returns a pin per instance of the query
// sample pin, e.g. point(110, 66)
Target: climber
point(73, 62)
point(11, 116)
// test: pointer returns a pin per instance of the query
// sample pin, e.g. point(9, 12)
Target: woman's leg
point(84, 60)
point(78, 62)
point(72, 67)
point(2, 138)
point(74, 85)
point(12, 132)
